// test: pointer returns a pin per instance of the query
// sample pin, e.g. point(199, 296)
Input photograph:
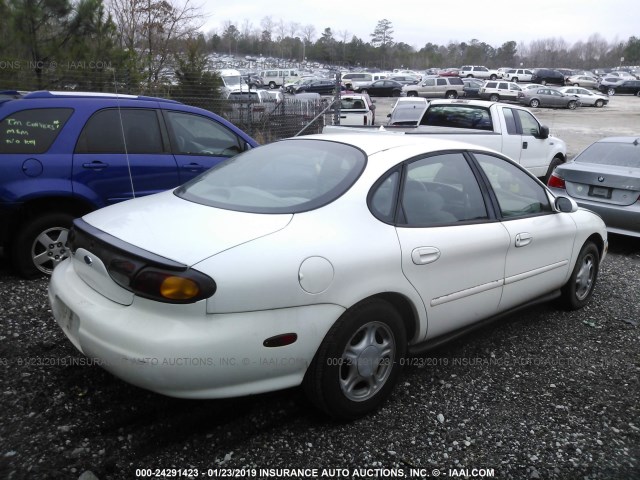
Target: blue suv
point(64, 154)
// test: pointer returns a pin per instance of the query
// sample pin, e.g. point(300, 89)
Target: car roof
point(373, 141)
point(42, 94)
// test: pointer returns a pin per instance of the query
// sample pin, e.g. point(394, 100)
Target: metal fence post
point(336, 100)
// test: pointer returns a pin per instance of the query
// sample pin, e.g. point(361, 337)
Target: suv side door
point(199, 142)
point(122, 153)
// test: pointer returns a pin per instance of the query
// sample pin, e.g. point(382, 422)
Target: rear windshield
point(289, 176)
point(458, 116)
point(608, 153)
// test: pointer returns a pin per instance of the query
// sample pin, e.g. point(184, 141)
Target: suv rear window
point(32, 131)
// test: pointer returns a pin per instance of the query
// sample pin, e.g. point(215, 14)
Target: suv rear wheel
point(40, 244)
point(451, 94)
point(494, 97)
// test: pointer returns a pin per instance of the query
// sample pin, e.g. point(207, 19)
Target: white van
point(232, 82)
point(277, 77)
point(354, 80)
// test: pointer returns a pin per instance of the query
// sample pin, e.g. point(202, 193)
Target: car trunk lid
point(616, 186)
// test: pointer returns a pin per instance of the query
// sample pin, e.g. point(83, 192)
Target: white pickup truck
point(510, 129)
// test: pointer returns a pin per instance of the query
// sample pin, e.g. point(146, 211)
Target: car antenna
point(124, 138)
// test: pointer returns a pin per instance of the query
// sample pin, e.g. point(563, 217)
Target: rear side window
point(104, 131)
point(455, 81)
point(32, 131)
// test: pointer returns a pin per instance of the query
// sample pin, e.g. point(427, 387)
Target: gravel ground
point(542, 394)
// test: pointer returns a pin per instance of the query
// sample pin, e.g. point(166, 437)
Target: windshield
point(289, 176)
point(232, 80)
point(609, 153)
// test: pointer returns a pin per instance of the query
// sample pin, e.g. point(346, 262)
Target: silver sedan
point(548, 97)
point(605, 178)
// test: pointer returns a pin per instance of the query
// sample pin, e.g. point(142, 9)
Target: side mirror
point(372, 107)
point(566, 205)
point(544, 132)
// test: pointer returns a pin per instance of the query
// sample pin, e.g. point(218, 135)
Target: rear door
point(122, 153)
point(452, 253)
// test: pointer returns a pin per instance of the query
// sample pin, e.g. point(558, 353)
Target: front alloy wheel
point(611, 92)
point(578, 290)
point(358, 363)
point(535, 103)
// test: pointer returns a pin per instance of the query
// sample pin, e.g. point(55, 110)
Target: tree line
point(158, 47)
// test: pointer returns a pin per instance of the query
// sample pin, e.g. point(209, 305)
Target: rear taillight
point(556, 182)
point(163, 285)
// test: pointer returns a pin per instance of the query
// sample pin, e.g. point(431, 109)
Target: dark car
point(381, 88)
point(65, 154)
point(472, 87)
point(323, 87)
point(405, 79)
point(627, 86)
point(543, 76)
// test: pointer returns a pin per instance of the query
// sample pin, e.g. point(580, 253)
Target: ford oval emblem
point(88, 260)
point(601, 178)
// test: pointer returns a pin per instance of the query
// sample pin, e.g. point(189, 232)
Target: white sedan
point(320, 261)
point(587, 98)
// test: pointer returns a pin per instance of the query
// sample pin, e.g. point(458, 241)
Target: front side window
point(518, 194)
point(530, 125)
point(289, 176)
point(197, 135)
point(440, 189)
point(32, 131)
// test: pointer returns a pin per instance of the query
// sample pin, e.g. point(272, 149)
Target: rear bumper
point(180, 350)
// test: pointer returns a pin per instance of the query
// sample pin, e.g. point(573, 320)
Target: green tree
point(382, 38)
point(632, 51)
point(194, 75)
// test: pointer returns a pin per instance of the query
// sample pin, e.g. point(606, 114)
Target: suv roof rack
point(58, 94)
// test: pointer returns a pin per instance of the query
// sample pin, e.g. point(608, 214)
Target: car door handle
point(523, 239)
point(193, 166)
point(425, 255)
point(525, 145)
point(95, 165)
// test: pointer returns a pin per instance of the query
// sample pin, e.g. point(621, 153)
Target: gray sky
point(417, 22)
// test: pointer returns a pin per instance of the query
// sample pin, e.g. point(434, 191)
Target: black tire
point(576, 84)
point(572, 105)
point(493, 77)
point(599, 103)
point(272, 85)
point(515, 80)
point(494, 97)
point(412, 93)
point(577, 292)
point(451, 95)
point(611, 92)
point(358, 362)
point(543, 82)
point(395, 93)
point(552, 166)
point(40, 244)
point(534, 103)
point(364, 90)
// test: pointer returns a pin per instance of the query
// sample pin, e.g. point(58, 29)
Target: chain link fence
point(266, 121)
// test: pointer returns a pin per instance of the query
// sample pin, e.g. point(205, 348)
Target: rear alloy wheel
point(412, 94)
point(535, 103)
point(543, 82)
point(515, 79)
point(272, 85)
point(576, 84)
point(493, 77)
point(599, 103)
point(358, 363)
point(494, 97)
point(572, 105)
point(578, 290)
point(451, 95)
point(41, 244)
point(611, 92)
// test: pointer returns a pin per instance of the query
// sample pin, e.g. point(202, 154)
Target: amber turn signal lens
point(178, 288)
